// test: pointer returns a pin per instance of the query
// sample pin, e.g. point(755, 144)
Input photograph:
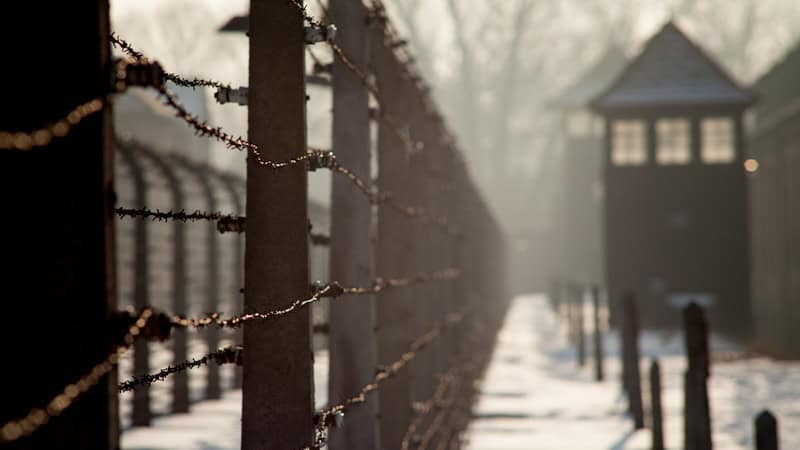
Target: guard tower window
point(717, 140)
point(672, 141)
point(628, 143)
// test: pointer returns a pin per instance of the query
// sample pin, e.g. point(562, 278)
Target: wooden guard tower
point(676, 200)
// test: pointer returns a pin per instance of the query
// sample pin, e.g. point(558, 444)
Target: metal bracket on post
point(316, 34)
point(231, 95)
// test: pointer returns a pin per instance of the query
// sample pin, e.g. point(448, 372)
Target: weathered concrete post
point(352, 320)
point(278, 378)
point(59, 286)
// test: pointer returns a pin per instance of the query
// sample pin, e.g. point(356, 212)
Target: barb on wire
point(228, 355)
point(329, 416)
point(38, 417)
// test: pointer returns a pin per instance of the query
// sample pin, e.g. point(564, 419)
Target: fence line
point(466, 244)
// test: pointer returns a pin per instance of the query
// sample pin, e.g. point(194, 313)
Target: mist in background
point(495, 67)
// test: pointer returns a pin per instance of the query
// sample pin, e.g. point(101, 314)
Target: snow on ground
point(211, 424)
point(533, 396)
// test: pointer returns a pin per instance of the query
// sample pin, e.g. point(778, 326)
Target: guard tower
point(676, 200)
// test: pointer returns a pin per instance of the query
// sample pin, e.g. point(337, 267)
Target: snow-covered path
point(534, 397)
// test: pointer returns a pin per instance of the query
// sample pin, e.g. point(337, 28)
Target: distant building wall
point(775, 210)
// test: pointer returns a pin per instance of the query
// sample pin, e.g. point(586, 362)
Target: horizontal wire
point(456, 376)
point(227, 355)
point(131, 51)
point(225, 222)
point(329, 290)
point(38, 417)
point(41, 137)
point(424, 409)
point(326, 417)
point(202, 128)
point(377, 197)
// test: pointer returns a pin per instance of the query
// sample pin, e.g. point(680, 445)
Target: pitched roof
point(779, 88)
point(672, 70)
point(593, 81)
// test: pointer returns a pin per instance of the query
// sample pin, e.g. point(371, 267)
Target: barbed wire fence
point(417, 292)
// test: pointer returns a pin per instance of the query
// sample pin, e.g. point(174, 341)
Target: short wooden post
point(278, 378)
point(631, 360)
point(766, 426)
point(599, 355)
point(657, 417)
point(698, 416)
point(395, 310)
point(352, 319)
point(580, 326)
point(58, 237)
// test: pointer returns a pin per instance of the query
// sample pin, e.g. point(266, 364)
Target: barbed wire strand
point(450, 405)
point(329, 290)
point(226, 223)
point(41, 137)
point(227, 355)
point(203, 129)
point(325, 418)
point(424, 409)
point(179, 80)
point(456, 376)
point(38, 417)
point(378, 197)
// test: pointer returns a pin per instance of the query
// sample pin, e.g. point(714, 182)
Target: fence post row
point(68, 263)
point(180, 344)
point(395, 246)
point(130, 152)
point(62, 245)
point(140, 415)
point(277, 397)
point(213, 389)
point(697, 415)
point(630, 360)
